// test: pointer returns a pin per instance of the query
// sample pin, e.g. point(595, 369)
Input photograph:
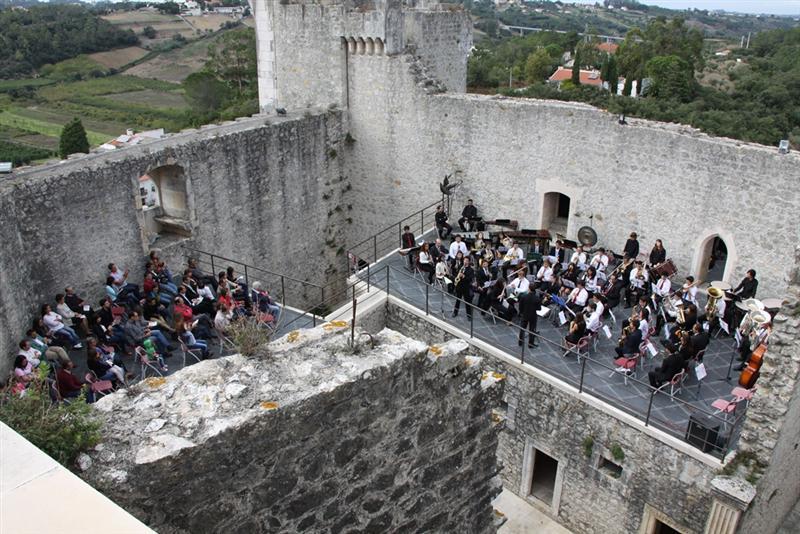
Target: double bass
point(750, 373)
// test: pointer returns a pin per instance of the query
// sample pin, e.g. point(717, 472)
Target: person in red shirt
point(69, 387)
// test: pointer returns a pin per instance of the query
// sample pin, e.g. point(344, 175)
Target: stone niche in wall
point(165, 202)
point(310, 435)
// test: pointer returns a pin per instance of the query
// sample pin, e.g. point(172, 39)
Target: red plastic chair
point(627, 366)
point(100, 388)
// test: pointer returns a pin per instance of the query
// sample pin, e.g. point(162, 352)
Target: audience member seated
point(117, 296)
point(120, 279)
point(56, 327)
point(103, 369)
point(23, 370)
point(201, 326)
point(223, 318)
point(42, 344)
point(198, 274)
point(107, 354)
point(33, 356)
point(155, 311)
point(263, 301)
point(78, 305)
point(69, 386)
point(137, 330)
point(152, 290)
point(184, 330)
point(153, 356)
point(77, 320)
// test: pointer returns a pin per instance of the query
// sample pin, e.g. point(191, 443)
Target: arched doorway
point(712, 259)
point(555, 213)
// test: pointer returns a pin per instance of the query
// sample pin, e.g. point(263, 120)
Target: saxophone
point(460, 275)
point(625, 331)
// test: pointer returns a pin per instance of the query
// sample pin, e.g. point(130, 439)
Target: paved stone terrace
point(667, 414)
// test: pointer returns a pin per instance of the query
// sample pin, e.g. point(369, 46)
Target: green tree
point(73, 139)
point(610, 74)
point(232, 59)
point(149, 32)
point(204, 92)
point(538, 66)
point(576, 69)
point(169, 8)
point(671, 77)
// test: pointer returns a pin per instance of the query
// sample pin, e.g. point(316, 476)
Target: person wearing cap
point(631, 246)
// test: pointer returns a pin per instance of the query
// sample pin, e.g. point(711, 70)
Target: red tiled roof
point(608, 48)
point(588, 77)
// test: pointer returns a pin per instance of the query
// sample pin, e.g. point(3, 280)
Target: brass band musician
point(638, 282)
point(657, 255)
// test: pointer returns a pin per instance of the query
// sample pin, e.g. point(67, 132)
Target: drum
point(667, 267)
point(772, 304)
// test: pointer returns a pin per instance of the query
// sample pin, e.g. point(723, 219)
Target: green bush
point(19, 154)
point(60, 430)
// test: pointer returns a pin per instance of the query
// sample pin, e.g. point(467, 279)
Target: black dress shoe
point(519, 342)
point(532, 346)
point(455, 314)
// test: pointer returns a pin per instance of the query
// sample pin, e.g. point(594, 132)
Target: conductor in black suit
point(468, 215)
point(529, 304)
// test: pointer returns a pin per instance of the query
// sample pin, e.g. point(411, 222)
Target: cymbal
point(772, 303)
point(725, 286)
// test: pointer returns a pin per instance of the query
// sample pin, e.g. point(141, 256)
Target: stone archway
point(717, 242)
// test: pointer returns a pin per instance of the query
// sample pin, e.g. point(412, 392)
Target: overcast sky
point(777, 7)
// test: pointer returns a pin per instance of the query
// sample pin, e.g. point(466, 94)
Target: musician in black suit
point(468, 216)
point(465, 277)
point(438, 250)
point(483, 275)
point(630, 345)
point(613, 291)
point(407, 240)
point(442, 227)
point(631, 247)
point(672, 365)
point(529, 304)
point(558, 251)
point(699, 340)
point(747, 287)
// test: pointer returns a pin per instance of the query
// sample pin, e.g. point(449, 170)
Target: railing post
point(422, 221)
point(367, 278)
point(213, 270)
point(283, 289)
point(375, 248)
point(650, 407)
point(387, 280)
point(322, 295)
point(522, 354)
point(583, 370)
point(471, 318)
point(246, 278)
point(426, 298)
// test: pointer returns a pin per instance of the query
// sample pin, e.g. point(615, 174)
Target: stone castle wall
point(656, 476)
point(308, 437)
point(270, 193)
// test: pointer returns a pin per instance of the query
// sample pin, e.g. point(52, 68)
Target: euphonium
point(714, 294)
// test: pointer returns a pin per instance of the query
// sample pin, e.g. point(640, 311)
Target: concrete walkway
point(522, 518)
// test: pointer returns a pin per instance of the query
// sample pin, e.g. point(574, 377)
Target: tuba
point(714, 294)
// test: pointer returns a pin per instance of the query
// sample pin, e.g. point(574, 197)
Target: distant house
point(6, 167)
point(608, 48)
point(588, 77)
point(130, 138)
point(229, 10)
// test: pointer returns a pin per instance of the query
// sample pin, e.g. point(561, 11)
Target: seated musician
point(505, 241)
point(612, 291)
point(443, 229)
point(407, 240)
point(638, 283)
point(479, 243)
point(699, 341)
point(673, 364)
point(457, 246)
point(578, 297)
point(644, 322)
point(631, 249)
point(425, 262)
point(519, 284)
point(594, 313)
point(512, 259)
point(443, 273)
point(571, 273)
point(685, 325)
point(600, 260)
point(439, 250)
point(689, 291)
point(631, 339)
point(468, 215)
point(495, 299)
point(751, 341)
point(662, 288)
point(536, 253)
point(577, 329)
point(545, 276)
point(579, 258)
point(642, 306)
point(599, 302)
point(658, 255)
point(747, 287)
point(558, 252)
point(592, 281)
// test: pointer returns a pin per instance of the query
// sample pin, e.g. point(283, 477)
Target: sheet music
point(543, 311)
point(666, 331)
point(738, 337)
point(651, 349)
point(562, 317)
point(707, 326)
point(654, 289)
point(700, 371)
point(568, 283)
point(724, 326)
point(607, 331)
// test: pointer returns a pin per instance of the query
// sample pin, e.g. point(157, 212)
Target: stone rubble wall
point(308, 437)
point(269, 192)
point(771, 431)
point(543, 416)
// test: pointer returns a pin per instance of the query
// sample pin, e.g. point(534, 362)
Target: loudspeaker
point(703, 432)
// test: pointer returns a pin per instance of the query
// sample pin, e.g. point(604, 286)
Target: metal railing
point(279, 285)
point(594, 376)
point(388, 239)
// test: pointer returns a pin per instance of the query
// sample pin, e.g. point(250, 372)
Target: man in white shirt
point(519, 285)
point(55, 325)
point(457, 246)
point(593, 322)
point(598, 302)
point(662, 288)
point(579, 258)
point(600, 260)
point(577, 297)
point(545, 275)
point(689, 291)
point(33, 355)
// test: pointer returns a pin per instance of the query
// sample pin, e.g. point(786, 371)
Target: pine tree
point(73, 139)
point(612, 74)
point(576, 69)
